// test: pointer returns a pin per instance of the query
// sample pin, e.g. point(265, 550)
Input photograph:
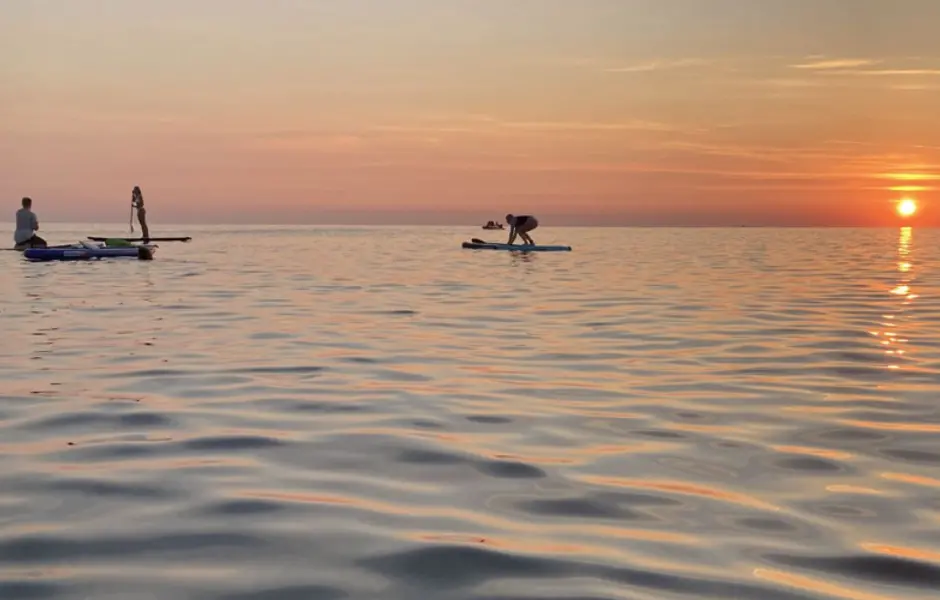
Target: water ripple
point(744, 414)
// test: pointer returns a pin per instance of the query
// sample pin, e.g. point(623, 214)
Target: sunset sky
point(778, 112)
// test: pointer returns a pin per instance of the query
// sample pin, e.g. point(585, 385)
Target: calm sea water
point(326, 413)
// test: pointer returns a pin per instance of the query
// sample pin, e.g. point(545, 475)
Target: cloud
point(915, 87)
point(908, 176)
point(839, 63)
point(766, 153)
point(631, 125)
point(862, 67)
point(890, 72)
point(904, 188)
point(659, 65)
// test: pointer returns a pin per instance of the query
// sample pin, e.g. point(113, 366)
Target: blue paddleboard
point(478, 245)
point(79, 252)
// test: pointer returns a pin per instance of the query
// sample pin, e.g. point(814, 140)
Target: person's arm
point(512, 234)
point(35, 223)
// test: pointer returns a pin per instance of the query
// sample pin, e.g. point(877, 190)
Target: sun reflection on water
point(891, 337)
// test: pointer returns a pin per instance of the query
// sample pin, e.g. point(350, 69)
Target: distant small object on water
point(493, 225)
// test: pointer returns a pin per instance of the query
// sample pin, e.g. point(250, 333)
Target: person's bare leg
point(526, 238)
point(143, 227)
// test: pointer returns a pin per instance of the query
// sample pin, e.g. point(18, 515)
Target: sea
point(326, 413)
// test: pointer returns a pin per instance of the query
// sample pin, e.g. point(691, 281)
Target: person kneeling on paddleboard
point(521, 225)
point(26, 227)
point(137, 201)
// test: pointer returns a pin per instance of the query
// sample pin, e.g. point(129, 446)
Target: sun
point(907, 207)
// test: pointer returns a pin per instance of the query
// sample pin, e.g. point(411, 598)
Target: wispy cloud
point(659, 65)
point(915, 87)
point(864, 67)
point(631, 125)
point(456, 131)
point(802, 154)
point(904, 188)
point(838, 63)
point(908, 176)
point(889, 72)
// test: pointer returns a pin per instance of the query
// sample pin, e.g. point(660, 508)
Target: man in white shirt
point(26, 227)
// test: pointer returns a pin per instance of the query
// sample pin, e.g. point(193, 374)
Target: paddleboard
point(140, 239)
point(480, 245)
point(79, 252)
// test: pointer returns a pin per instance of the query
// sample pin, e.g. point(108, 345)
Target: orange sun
point(907, 207)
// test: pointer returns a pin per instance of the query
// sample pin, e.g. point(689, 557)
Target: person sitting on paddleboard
point(521, 225)
point(137, 201)
point(26, 227)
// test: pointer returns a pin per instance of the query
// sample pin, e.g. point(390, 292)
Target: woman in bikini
point(521, 225)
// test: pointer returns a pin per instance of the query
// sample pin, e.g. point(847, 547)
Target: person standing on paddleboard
point(26, 227)
point(137, 201)
point(521, 225)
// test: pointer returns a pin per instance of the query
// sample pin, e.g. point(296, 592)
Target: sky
point(582, 112)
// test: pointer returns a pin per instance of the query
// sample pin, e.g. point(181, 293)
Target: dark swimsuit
point(520, 220)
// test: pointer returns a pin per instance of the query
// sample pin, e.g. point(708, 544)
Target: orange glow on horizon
point(274, 118)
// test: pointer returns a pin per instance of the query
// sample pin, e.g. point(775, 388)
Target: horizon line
point(552, 226)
